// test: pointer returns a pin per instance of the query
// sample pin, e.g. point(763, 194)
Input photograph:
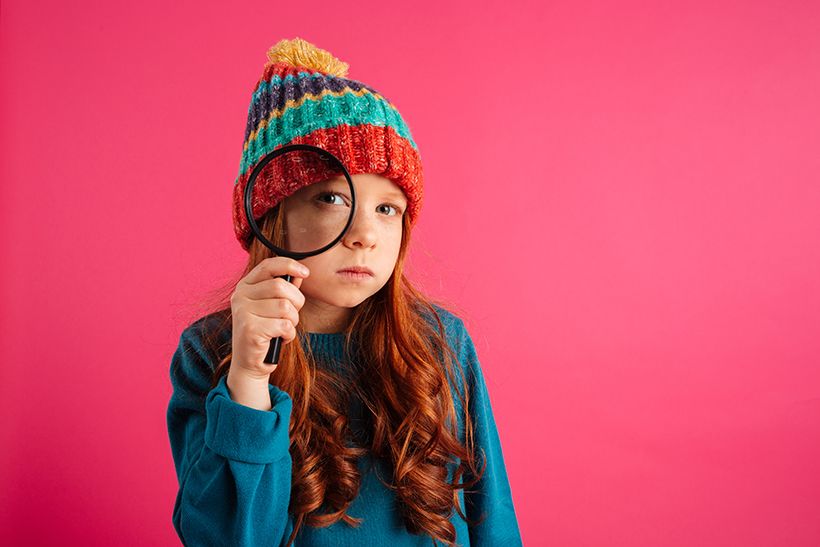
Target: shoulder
point(201, 345)
point(459, 340)
point(454, 328)
point(469, 376)
point(208, 332)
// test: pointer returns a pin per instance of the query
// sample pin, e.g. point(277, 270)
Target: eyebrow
point(395, 195)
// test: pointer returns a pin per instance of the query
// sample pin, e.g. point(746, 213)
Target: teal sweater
point(234, 467)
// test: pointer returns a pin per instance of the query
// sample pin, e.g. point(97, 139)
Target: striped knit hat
point(304, 97)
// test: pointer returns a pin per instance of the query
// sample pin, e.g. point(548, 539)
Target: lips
point(357, 269)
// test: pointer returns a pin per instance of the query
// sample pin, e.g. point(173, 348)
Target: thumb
point(297, 281)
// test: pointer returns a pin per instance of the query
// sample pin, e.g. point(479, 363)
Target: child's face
point(373, 240)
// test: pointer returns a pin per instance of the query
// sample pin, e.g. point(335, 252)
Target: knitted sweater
point(234, 467)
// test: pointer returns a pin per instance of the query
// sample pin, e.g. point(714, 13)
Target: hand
point(265, 306)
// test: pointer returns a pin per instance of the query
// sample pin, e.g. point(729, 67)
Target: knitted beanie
point(303, 97)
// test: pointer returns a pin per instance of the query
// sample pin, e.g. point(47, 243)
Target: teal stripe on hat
point(328, 112)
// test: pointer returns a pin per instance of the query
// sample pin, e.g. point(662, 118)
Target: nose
point(363, 230)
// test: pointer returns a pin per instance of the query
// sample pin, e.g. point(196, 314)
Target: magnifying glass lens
point(315, 215)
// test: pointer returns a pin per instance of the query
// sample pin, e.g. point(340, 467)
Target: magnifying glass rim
point(270, 156)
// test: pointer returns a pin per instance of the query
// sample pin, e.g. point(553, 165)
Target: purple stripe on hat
point(279, 93)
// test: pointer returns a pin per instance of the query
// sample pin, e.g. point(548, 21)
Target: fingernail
point(303, 269)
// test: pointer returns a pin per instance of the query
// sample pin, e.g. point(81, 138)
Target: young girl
point(375, 427)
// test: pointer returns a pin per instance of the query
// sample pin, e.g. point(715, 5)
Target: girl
point(375, 427)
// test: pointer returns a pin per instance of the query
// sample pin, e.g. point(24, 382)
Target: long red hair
point(406, 396)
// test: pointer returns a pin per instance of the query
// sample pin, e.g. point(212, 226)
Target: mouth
point(358, 272)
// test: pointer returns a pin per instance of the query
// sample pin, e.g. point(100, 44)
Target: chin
point(345, 300)
point(344, 296)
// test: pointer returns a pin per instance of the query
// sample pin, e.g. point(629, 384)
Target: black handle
point(272, 358)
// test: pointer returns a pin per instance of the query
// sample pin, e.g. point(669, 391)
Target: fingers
point(278, 327)
point(265, 306)
point(276, 308)
point(275, 288)
point(274, 267)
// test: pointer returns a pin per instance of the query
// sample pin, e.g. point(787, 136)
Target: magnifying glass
point(314, 217)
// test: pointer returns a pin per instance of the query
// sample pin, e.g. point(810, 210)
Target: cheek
point(316, 264)
point(315, 285)
point(391, 246)
point(318, 270)
point(391, 231)
point(395, 239)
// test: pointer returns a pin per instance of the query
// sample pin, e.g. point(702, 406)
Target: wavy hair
point(409, 407)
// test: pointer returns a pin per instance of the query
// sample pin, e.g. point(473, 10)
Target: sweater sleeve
point(232, 461)
point(491, 497)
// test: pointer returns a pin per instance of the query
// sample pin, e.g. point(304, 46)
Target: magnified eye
point(332, 198)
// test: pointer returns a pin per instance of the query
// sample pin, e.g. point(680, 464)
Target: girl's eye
point(331, 198)
point(394, 207)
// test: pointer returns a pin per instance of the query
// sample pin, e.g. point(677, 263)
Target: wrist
point(249, 390)
point(244, 375)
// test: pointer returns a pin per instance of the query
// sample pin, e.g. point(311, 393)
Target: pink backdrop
point(621, 200)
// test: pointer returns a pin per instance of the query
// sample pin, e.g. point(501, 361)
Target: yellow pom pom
point(299, 52)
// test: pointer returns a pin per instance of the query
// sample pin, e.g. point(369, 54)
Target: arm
point(493, 497)
point(232, 461)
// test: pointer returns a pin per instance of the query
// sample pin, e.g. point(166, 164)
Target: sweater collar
point(326, 345)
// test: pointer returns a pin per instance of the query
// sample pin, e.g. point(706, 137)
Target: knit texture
point(234, 468)
point(302, 97)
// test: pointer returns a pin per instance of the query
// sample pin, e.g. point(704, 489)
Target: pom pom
point(299, 52)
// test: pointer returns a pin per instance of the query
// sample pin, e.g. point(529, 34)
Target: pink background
point(621, 201)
